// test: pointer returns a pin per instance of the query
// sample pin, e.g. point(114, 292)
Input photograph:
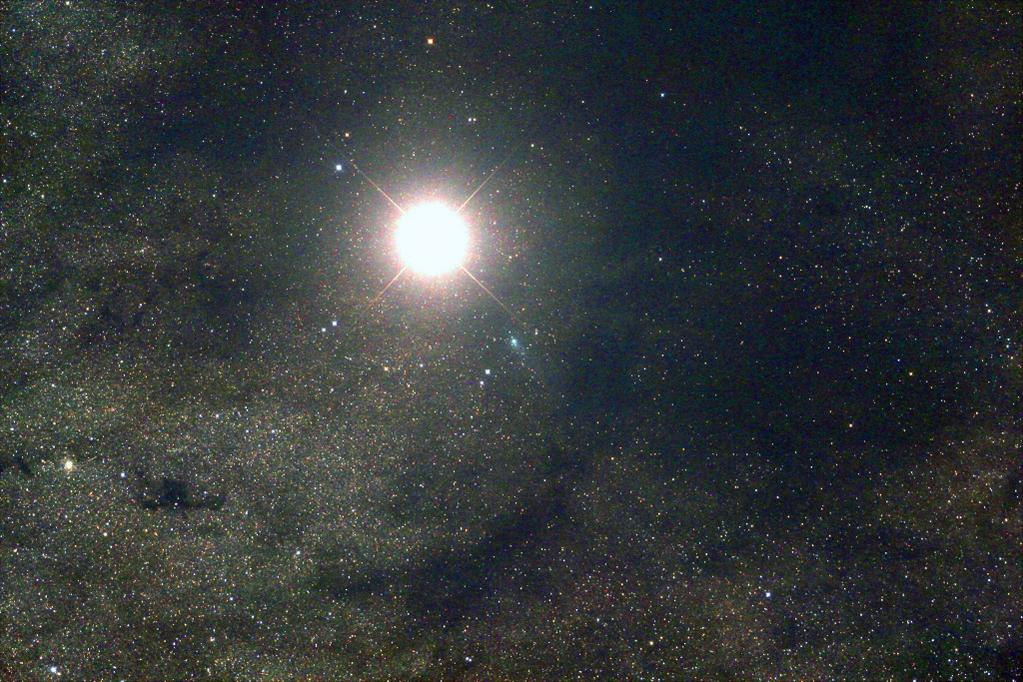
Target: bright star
point(432, 239)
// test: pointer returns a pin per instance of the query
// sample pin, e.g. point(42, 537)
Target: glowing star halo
point(432, 239)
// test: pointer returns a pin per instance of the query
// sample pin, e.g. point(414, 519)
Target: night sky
point(754, 409)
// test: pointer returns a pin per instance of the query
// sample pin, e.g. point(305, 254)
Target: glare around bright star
point(432, 239)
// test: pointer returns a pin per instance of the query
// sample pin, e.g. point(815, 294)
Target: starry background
point(759, 415)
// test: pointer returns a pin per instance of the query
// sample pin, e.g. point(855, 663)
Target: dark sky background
point(758, 414)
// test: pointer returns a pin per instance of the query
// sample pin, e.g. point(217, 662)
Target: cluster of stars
point(729, 386)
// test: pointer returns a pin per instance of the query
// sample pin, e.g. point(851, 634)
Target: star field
point(749, 406)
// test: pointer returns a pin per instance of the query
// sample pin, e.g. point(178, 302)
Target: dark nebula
point(171, 493)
